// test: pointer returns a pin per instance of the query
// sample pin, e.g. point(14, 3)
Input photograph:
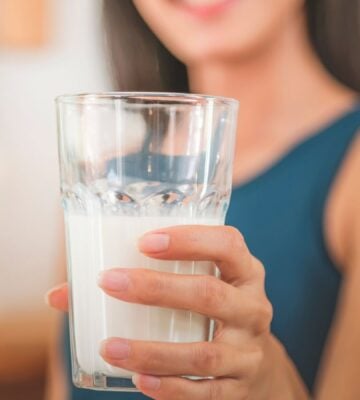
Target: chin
point(217, 50)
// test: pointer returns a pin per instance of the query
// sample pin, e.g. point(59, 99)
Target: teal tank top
point(281, 214)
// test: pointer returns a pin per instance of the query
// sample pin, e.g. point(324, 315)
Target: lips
point(204, 8)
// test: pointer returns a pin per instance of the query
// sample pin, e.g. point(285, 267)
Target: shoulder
point(342, 213)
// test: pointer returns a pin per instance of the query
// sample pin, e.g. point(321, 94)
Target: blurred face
point(202, 30)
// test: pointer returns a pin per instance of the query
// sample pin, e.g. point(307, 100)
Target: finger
point(222, 244)
point(173, 388)
point(203, 294)
point(203, 359)
point(57, 297)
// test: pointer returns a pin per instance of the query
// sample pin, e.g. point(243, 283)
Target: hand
point(237, 302)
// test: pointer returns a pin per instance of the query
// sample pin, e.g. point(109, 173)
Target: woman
point(295, 200)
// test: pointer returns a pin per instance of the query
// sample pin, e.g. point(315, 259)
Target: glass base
point(100, 381)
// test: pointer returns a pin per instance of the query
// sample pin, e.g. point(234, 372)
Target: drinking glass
point(131, 163)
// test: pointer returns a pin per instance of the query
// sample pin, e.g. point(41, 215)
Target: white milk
point(101, 242)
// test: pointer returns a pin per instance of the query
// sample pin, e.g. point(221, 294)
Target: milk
point(99, 242)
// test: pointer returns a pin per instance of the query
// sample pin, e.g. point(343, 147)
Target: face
point(202, 30)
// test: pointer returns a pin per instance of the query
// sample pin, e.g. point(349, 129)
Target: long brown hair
point(141, 62)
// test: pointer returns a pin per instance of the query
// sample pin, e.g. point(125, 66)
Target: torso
point(286, 216)
point(257, 158)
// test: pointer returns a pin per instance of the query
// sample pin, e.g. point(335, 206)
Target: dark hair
point(141, 62)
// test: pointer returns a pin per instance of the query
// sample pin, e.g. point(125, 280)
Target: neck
point(278, 87)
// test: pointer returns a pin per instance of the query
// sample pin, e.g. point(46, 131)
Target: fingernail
point(154, 242)
point(146, 382)
point(118, 349)
point(114, 280)
point(48, 296)
point(51, 296)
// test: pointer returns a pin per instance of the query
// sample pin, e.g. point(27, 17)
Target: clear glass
point(131, 163)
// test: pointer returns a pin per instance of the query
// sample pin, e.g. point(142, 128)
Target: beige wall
point(30, 217)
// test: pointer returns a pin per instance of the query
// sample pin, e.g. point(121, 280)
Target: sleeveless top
point(281, 215)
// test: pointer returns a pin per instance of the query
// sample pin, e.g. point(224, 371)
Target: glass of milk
point(131, 163)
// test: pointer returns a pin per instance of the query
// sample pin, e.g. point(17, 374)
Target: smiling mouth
point(204, 8)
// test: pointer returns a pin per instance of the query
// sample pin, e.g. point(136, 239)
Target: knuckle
point(215, 390)
point(153, 290)
point(258, 269)
point(268, 311)
point(207, 358)
point(146, 363)
point(256, 360)
point(264, 315)
point(234, 239)
point(212, 293)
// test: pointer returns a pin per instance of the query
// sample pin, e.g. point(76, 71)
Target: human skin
point(258, 52)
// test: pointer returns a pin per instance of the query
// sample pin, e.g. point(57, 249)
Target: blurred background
point(47, 47)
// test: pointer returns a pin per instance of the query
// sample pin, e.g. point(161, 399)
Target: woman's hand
point(238, 357)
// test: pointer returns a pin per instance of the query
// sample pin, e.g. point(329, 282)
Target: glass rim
point(177, 97)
